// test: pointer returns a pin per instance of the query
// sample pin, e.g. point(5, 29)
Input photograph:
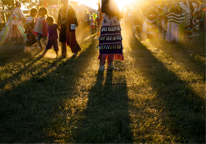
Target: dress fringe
point(116, 56)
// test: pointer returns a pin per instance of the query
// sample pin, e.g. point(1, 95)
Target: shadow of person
point(106, 118)
point(181, 109)
point(10, 53)
point(182, 53)
point(36, 101)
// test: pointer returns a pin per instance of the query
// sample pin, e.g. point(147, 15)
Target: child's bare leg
point(110, 62)
point(64, 50)
point(34, 45)
point(102, 62)
point(56, 54)
point(110, 59)
point(43, 54)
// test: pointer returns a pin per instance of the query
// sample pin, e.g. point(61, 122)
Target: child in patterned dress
point(110, 40)
point(14, 27)
point(31, 20)
point(41, 27)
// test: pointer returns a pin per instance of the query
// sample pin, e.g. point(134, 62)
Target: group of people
point(176, 21)
point(42, 32)
point(173, 21)
point(89, 19)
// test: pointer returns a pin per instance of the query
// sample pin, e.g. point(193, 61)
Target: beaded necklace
point(63, 16)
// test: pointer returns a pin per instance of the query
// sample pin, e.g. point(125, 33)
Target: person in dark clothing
point(67, 22)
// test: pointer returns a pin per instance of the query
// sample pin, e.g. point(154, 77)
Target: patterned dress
point(31, 38)
point(188, 22)
point(110, 40)
point(151, 23)
point(14, 27)
point(175, 25)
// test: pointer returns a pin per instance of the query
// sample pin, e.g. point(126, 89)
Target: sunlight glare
point(90, 3)
point(122, 3)
point(93, 3)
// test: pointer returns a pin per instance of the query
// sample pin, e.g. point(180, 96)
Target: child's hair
point(33, 10)
point(18, 4)
point(49, 19)
point(44, 10)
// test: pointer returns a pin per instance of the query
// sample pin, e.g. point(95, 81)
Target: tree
point(9, 4)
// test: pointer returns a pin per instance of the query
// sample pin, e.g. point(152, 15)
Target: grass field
point(158, 96)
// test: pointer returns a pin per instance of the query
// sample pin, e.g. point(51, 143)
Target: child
point(92, 24)
point(31, 38)
point(52, 28)
point(110, 40)
point(14, 27)
point(41, 27)
point(97, 23)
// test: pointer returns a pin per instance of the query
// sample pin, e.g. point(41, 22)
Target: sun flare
point(122, 3)
point(93, 3)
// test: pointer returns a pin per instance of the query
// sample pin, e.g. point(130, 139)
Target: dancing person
point(86, 17)
point(31, 20)
point(97, 22)
point(41, 28)
point(67, 22)
point(14, 27)
point(137, 21)
point(163, 21)
point(110, 40)
point(53, 36)
point(175, 25)
point(151, 21)
point(92, 24)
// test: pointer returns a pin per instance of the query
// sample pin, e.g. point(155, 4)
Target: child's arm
point(58, 28)
point(46, 28)
point(35, 29)
point(30, 28)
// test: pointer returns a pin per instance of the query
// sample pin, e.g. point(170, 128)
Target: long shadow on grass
point(106, 118)
point(25, 108)
point(184, 108)
point(16, 75)
point(13, 53)
point(28, 110)
point(18, 53)
point(181, 53)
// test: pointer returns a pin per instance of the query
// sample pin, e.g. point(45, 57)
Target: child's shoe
point(101, 68)
point(41, 56)
point(111, 68)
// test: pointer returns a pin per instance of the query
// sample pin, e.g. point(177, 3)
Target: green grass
point(158, 96)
